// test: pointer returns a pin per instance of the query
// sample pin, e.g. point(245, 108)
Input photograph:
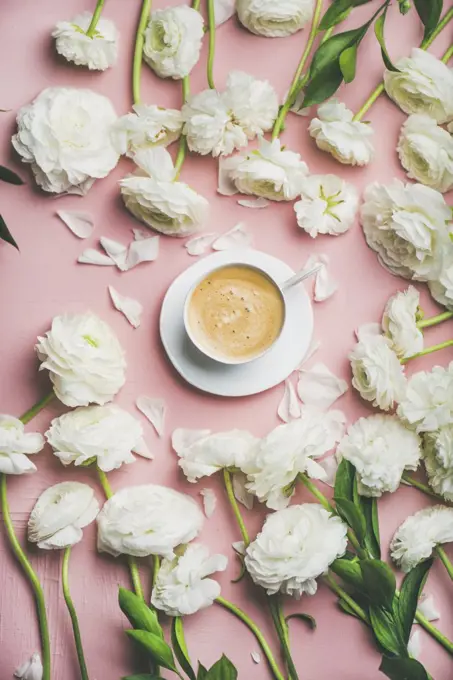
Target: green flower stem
point(235, 507)
point(448, 55)
point(347, 599)
point(95, 18)
point(434, 320)
point(73, 614)
point(429, 350)
point(32, 577)
point(39, 406)
point(138, 50)
point(433, 631)
point(298, 82)
point(424, 45)
point(211, 51)
point(410, 481)
point(257, 633)
point(442, 555)
point(133, 568)
point(282, 632)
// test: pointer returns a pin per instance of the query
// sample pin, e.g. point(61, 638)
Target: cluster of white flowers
point(418, 536)
point(274, 19)
point(16, 445)
point(147, 127)
point(399, 322)
point(98, 51)
point(438, 458)
point(428, 400)
point(328, 205)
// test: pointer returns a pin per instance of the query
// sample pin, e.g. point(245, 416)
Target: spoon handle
point(300, 276)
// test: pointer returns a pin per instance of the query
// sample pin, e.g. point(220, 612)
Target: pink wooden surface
point(44, 280)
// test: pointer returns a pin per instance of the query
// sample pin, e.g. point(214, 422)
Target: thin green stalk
point(95, 18)
point(274, 606)
point(347, 599)
point(434, 320)
point(256, 632)
point(39, 406)
point(133, 568)
point(235, 507)
point(211, 51)
point(429, 350)
point(297, 82)
point(433, 631)
point(32, 577)
point(410, 481)
point(442, 555)
point(448, 55)
point(138, 50)
point(156, 567)
point(73, 614)
point(448, 16)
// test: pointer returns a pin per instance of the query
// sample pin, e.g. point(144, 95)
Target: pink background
point(44, 280)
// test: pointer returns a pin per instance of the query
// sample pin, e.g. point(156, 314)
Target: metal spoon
point(300, 276)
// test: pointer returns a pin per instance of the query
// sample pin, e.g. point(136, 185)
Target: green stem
point(433, 631)
point(133, 568)
point(439, 28)
point(445, 561)
point(347, 599)
point(421, 487)
point(138, 50)
point(73, 614)
point(39, 406)
point(156, 567)
point(256, 632)
point(282, 632)
point(434, 320)
point(32, 577)
point(95, 18)
point(211, 51)
point(448, 55)
point(298, 83)
point(429, 350)
point(235, 507)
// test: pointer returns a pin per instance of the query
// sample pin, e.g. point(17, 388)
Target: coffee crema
point(236, 313)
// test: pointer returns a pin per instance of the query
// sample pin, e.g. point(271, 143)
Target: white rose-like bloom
point(84, 358)
point(182, 586)
point(335, 131)
point(288, 450)
point(328, 205)
point(407, 226)
point(105, 434)
point(428, 401)
point(60, 514)
point(202, 454)
point(269, 171)
point(97, 52)
point(274, 19)
point(254, 102)
point(173, 41)
point(147, 520)
point(169, 207)
point(65, 135)
point(377, 373)
point(31, 669)
point(16, 445)
point(380, 448)
point(441, 288)
point(399, 322)
point(417, 537)
point(438, 458)
point(147, 127)
point(295, 546)
point(423, 84)
point(426, 152)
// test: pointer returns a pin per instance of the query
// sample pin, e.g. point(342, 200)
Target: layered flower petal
point(428, 401)
point(416, 538)
point(31, 669)
point(328, 205)
point(274, 19)
point(438, 458)
point(146, 127)
point(15, 445)
point(399, 322)
point(98, 52)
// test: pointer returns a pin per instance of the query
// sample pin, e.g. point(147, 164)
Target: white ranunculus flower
point(377, 373)
point(423, 84)
point(428, 402)
point(426, 152)
point(274, 19)
point(182, 586)
point(328, 205)
point(441, 288)
point(97, 52)
point(295, 546)
point(16, 445)
point(417, 537)
point(147, 520)
point(202, 453)
point(32, 669)
point(60, 514)
point(289, 450)
point(407, 225)
point(171, 208)
point(438, 457)
point(84, 358)
point(380, 448)
point(399, 322)
point(105, 434)
point(269, 171)
point(147, 127)
point(65, 135)
point(254, 102)
point(173, 41)
point(335, 131)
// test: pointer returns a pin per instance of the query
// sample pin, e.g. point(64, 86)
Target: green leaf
point(429, 12)
point(5, 234)
point(350, 572)
point(143, 676)
point(223, 669)
point(379, 31)
point(380, 583)
point(347, 609)
point(337, 12)
point(348, 63)
point(202, 672)
point(330, 50)
point(368, 507)
point(352, 516)
point(403, 669)
point(386, 632)
point(303, 617)
point(180, 648)
point(323, 85)
point(156, 647)
point(411, 589)
point(140, 616)
point(9, 176)
point(344, 481)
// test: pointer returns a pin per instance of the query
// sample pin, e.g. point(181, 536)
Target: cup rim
point(221, 359)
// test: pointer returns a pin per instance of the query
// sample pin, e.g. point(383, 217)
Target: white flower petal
point(92, 256)
point(325, 286)
point(330, 467)
point(132, 309)
point(142, 250)
point(417, 537)
point(256, 657)
point(319, 387)
point(427, 607)
point(241, 494)
point(289, 406)
point(199, 244)
point(98, 52)
point(274, 20)
point(141, 234)
point(31, 669)
point(81, 224)
point(209, 501)
point(116, 251)
point(239, 547)
point(427, 402)
point(226, 186)
point(155, 410)
point(224, 10)
point(414, 646)
point(311, 351)
point(182, 438)
point(368, 329)
point(254, 202)
point(237, 237)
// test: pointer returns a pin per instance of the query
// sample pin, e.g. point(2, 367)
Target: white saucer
point(244, 379)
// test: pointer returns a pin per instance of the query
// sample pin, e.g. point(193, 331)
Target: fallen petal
point(414, 645)
point(254, 202)
point(330, 466)
point(314, 346)
point(92, 256)
point(319, 387)
point(199, 244)
point(256, 657)
point(31, 669)
point(239, 547)
point(367, 329)
point(209, 501)
point(289, 407)
point(132, 309)
point(116, 251)
point(226, 186)
point(325, 286)
point(427, 607)
point(223, 10)
point(81, 224)
point(238, 237)
point(241, 494)
point(155, 410)
point(141, 234)
point(143, 250)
